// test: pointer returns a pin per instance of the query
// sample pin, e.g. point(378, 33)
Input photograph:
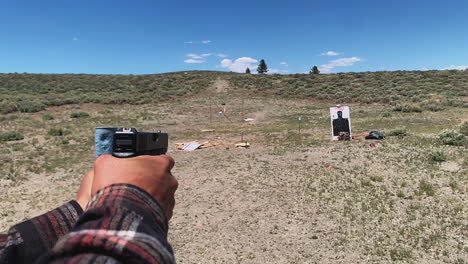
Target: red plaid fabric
point(122, 224)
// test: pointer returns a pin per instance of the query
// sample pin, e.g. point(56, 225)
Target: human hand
point(84, 193)
point(151, 173)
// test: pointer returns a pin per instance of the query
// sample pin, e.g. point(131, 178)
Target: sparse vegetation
point(11, 136)
point(401, 254)
point(407, 108)
point(427, 188)
point(451, 137)
point(47, 117)
point(386, 114)
point(396, 133)
point(464, 128)
point(399, 187)
point(79, 115)
point(407, 91)
point(438, 156)
point(57, 132)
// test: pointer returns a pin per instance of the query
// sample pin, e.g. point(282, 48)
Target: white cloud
point(194, 56)
point(206, 54)
point(193, 61)
point(198, 42)
point(222, 55)
point(330, 53)
point(455, 67)
point(240, 64)
point(344, 62)
point(284, 63)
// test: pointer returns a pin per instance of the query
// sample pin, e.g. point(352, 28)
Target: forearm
point(122, 223)
point(30, 239)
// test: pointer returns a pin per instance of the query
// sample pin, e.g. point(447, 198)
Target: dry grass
point(289, 199)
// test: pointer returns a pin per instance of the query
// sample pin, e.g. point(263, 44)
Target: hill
point(406, 90)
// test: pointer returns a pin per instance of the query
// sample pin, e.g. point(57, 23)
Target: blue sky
point(147, 36)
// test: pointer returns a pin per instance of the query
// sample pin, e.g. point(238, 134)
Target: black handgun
point(128, 142)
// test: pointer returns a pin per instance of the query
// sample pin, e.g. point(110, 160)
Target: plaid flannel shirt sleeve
point(122, 224)
point(27, 241)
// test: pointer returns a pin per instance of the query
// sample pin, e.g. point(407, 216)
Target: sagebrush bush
point(426, 187)
point(47, 117)
point(7, 107)
point(79, 115)
point(8, 117)
point(400, 132)
point(33, 92)
point(438, 156)
point(30, 106)
point(11, 136)
point(451, 137)
point(407, 108)
point(433, 107)
point(386, 114)
point(464, 128)
point(57, 132)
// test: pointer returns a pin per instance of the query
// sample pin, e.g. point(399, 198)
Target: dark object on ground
point(375, 135)
point(344, 136)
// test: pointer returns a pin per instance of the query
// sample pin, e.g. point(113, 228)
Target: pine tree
point(262, 67)
point(247, 70)
point(314, 70)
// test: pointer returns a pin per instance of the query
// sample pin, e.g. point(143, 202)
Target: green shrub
point(409, 89)
point(400, 194)
point(396, 133)
point(376, 178)
point(47, 117)
point(8, 117)
point(450, 137)
point(30, 106)
point(405, 108)
point(400, 254)
point(425, 187)
point(433, 108)
point(464, 128)
point(7, 107)
point(79, 115)
point(386, 114)
point(438, 156)
point(11, 136)
point(57, 132)
point(411, 109)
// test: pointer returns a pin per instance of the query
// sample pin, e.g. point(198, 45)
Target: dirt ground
point(289, 198)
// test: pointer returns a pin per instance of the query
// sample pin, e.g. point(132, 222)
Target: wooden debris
point(209, 145)
point(243, 145)
point(190, 145)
